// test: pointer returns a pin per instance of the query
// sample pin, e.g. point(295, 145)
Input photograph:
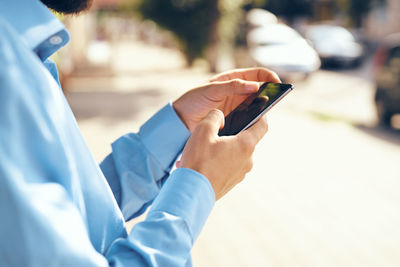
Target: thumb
point(214, 121)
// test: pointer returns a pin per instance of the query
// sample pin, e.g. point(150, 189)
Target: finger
point(219, 90)
point(178, 164)
point(213, 122)
point(256, 132)
point(250, 74)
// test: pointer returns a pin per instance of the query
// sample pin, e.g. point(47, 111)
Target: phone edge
point(266, 110)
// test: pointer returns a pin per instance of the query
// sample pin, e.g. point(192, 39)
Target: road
point(324, 190)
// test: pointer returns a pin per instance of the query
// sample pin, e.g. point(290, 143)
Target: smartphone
point(256, 105)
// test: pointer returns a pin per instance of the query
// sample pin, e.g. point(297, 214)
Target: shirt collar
point(42, 32)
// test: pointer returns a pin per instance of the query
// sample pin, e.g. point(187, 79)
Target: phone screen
point(253, 107)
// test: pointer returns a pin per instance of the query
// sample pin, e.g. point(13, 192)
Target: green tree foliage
point(192, 21)
point(289, 9)
point(355, 10)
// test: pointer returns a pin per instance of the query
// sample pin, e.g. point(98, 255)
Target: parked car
point(258, 17)
point(282, 49)
point(272, 34)
point(335, 45)
point(386, 65)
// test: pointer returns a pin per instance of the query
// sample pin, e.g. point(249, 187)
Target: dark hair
point(68, 6)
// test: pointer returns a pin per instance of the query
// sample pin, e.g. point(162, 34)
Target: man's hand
point(224, 92)
point(224, 161)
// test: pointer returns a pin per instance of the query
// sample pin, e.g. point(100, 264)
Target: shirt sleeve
point(42, 227)
point(140, 163)
point(178, 214)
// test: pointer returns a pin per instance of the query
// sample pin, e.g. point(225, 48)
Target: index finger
point(250, 74)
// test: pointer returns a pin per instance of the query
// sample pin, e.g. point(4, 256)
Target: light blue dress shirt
point(57, 206)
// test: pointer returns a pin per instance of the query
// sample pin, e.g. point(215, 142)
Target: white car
point(258, 17)
point(335, 45)
point(296, 57)
point(282, 49)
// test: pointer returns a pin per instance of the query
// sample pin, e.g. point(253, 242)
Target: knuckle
point(213, 115)
point(249, 165)
point(247, 146)
point(217, 116)
point(261, 128)
point(241, 177)
point(264, 124)
point(218, 113)
point(236, 83)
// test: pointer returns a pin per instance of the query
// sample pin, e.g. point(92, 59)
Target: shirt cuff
point(189, 195)
point(164, 135)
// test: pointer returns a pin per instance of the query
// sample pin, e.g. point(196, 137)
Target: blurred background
point(324, 190)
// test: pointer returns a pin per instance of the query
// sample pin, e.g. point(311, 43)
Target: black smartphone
point(251, 109)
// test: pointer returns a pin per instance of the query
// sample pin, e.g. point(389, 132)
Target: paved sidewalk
point(324, 190)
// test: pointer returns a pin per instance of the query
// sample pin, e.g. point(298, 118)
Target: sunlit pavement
point(324, 190)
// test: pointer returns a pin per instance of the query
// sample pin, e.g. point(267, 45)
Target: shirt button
point(56, 40)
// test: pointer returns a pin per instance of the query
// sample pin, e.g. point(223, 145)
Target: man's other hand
point(224, 92)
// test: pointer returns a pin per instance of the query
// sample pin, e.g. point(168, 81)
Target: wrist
point(164, 135)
